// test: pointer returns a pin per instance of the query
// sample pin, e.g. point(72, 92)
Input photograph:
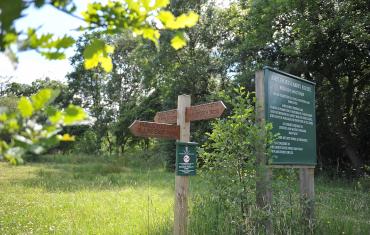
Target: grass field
point(89, 195)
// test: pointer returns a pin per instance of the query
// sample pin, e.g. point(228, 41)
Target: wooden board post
point(263, 173)
point(182, 182)
point(307, 184)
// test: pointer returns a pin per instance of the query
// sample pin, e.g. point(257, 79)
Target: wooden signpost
point(175, 124)
point(288, 102)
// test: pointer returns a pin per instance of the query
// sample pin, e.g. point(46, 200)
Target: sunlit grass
point(51, 198)
point(87, 195)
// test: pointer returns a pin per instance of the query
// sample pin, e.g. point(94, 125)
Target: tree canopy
point(145, 18)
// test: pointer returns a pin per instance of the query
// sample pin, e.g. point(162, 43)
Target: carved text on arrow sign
point(193, 113)
point(169, 116)
point(155, 130)
point(204, 111)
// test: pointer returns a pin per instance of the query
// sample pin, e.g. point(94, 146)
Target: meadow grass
point(109, 195)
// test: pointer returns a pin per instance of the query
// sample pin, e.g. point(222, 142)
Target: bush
point(86, 143)
point(230, 160)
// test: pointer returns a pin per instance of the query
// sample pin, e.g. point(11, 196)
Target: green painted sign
point(290, 107)
point(186, 158)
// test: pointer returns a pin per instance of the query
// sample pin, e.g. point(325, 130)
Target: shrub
point(230, 160)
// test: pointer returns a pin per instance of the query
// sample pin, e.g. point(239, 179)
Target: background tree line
point(323, 41)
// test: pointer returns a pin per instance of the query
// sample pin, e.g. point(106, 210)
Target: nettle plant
point(35, 126)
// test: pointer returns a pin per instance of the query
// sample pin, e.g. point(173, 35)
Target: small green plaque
point(186, 158)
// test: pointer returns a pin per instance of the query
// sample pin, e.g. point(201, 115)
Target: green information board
point(290, 107)
point(186, 158)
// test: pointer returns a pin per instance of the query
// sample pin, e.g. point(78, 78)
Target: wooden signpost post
point(175, 124)
point(288, 102)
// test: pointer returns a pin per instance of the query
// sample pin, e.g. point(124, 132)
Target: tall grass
point(134, 195)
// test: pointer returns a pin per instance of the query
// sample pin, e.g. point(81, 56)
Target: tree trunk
point(343, 128)
point(351, 152)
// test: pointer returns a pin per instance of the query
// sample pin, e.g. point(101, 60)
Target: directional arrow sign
point(155, 130)
point(169, 116)
point(204, 111)
point(193, 113)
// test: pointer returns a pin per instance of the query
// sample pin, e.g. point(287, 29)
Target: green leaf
point(10, 38)
point(183, 21)
point(66, 137)
point(44, 97)
point(187, 20)
point(54, 55)
point(178, 41)
point(47, 46)
point(146, 4)
point(106, 63)
point(133, 5)
point(3, 117)
point(54, 115)
point(36, 149)
point(74, 114)
point(12, 125)
point(14, 155)
point(23, 139)
point(97, 52)
point(63, 42)
point(167, 18)
point(25, 107)
point(161, 3)
point(149, 33)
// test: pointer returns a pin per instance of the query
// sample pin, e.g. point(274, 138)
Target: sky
point(33, 66)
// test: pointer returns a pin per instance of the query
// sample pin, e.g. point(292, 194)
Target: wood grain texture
point(263, 172)
point(205, 111)
point(155, 130)
point(169, 116)
point(307, 189)
point(182, 182)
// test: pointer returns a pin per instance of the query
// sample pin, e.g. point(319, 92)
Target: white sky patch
point(32, 65)
point(223, 3)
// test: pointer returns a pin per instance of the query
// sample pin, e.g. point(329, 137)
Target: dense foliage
point(322, 41)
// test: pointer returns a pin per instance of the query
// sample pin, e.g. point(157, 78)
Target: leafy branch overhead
point(35, 125)
point(142, 17)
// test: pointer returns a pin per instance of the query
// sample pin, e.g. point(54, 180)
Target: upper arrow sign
point(155, 130)
point(193, 113)
point(169, 116)
point(204, 111)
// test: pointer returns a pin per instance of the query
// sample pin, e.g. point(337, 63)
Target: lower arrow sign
point(155, 130)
